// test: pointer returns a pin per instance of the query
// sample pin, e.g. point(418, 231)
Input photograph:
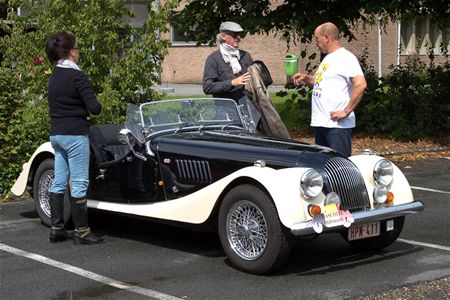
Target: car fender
point(399, 187)
point(20, 184)
point(283, 185)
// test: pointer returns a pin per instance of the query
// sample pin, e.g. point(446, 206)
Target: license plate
point(363, 231)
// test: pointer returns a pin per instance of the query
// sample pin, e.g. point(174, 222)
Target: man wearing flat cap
point(225, 73)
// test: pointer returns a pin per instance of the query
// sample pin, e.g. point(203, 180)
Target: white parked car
point(194, 161)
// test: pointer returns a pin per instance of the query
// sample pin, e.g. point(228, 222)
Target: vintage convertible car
point(197, 162)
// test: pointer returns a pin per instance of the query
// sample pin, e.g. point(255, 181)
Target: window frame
point(418, 34)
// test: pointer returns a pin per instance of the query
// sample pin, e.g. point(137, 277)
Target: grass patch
point(170, 97)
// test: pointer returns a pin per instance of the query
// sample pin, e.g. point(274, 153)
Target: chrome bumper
point(378, 214)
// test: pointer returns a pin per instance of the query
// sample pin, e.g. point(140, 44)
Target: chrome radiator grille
point(346, 180)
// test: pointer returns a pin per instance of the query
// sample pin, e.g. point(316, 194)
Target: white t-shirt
point(333, 88)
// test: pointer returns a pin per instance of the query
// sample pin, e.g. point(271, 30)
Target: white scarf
point(68, 64)
point(231, 55)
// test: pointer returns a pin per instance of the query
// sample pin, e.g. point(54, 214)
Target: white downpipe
point(399, 45)
point(380, 73)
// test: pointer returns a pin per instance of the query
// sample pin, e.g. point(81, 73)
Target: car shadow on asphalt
point(328, 255)
point(325, 254)
point(196, 240)
point(32, 214)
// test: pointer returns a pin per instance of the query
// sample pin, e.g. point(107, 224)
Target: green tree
point(297, 19)
point(122, 62)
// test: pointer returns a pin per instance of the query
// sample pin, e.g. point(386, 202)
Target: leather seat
point(105, 145)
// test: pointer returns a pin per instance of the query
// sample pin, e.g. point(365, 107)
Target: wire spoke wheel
point(247, 230)
point(43, 192)
point(250, 230)
point(42, 182)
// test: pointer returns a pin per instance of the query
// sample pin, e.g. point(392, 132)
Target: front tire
point(385, 239)
point(250, 231)
point(42, 183)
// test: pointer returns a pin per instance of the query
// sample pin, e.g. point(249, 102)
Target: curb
point(436, 149)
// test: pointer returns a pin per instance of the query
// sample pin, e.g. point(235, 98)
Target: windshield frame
point(184, 114)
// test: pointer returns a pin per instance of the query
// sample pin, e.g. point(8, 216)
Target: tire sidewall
point(277, 246)
point(45, 168)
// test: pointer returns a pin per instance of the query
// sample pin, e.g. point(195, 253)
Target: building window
point(178, 37)
point(422, 36)
point(139, 9)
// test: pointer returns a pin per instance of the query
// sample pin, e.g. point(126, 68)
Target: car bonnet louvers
point(346, 180)
point(194, 170)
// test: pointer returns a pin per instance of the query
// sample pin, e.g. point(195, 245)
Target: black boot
point(82, 234)
point(57, 232)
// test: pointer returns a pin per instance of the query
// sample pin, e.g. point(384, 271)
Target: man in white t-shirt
point(338, 87)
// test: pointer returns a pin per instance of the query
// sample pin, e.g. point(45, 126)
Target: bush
point(122, 63)
point(411, 102)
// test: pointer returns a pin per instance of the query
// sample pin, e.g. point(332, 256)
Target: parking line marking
point(88, 274)
point(425, 244)
point(429, 190)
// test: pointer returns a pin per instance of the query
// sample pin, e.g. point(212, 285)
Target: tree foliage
point(296, 19)
point(122, 62)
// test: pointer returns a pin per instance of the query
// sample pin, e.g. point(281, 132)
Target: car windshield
point(163, 115)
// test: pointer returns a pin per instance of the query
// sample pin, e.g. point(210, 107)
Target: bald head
point(330, 30)
point(327, 37)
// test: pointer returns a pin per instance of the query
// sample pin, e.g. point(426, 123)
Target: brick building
point(185, 61)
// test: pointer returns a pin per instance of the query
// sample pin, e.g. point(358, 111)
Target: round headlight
point(383, 172)
point(332, 198)
point(311, 184)
point(380, 194)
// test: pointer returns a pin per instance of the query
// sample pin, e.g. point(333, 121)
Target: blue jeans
point(339, 139)
point(71, 159)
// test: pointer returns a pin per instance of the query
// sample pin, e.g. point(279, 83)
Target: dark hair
point(59, 45)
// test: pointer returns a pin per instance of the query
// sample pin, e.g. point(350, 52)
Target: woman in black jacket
point(71, 100)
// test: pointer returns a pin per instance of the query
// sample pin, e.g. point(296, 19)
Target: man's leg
point(320, 136)
point(340, 139)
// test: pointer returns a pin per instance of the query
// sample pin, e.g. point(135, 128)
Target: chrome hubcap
point(43, 193)
point(246, 230)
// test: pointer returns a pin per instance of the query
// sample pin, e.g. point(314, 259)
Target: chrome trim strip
point(379, 214)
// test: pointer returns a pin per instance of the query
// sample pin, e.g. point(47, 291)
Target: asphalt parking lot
point(145, 260)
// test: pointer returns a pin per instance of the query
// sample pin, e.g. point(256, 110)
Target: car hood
point(277, 153)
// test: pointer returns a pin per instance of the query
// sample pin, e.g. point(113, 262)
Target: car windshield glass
point(180, 113)
point(133, 122)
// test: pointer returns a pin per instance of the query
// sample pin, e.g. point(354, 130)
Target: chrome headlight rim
point(332, 198)
point(380, 193)
point(383, 172)
point(311, 184)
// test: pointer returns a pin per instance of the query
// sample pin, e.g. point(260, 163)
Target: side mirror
point(125, 137)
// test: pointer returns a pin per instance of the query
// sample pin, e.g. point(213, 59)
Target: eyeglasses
point(235, 34)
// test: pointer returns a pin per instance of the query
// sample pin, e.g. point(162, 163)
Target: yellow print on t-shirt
point(322, 68)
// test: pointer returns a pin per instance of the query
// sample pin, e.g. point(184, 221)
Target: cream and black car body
point(198, 162)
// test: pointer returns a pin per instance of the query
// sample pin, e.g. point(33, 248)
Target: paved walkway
point(190, 89)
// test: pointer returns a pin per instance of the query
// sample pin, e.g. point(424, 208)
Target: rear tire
point(42, 183)
point(250, 231)
point(385, 239)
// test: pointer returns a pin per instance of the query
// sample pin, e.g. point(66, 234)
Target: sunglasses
point(235, 34)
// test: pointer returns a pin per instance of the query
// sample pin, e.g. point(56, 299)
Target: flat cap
point(230, 26)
